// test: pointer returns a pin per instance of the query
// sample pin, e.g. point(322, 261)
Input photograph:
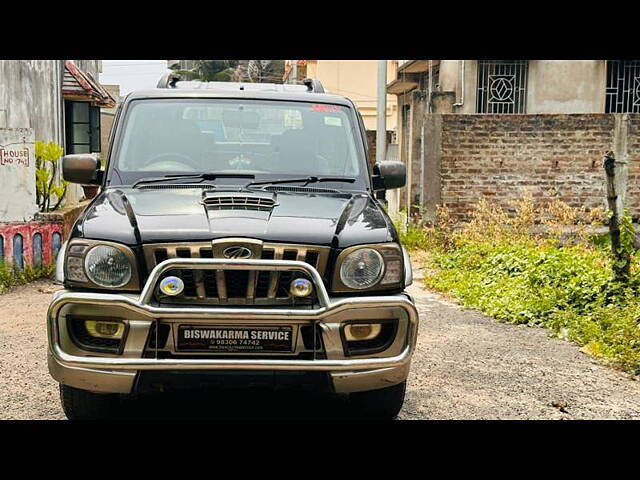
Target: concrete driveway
point(467, 366)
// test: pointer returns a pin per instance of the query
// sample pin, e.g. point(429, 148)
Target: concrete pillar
point(442, 102)
point(414, 164)
point(431, 176)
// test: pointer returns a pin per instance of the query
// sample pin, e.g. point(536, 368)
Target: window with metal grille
point(623, 86)
point(502, 86)
point(82, 127)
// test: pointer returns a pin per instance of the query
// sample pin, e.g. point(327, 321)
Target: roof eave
point(92, 91)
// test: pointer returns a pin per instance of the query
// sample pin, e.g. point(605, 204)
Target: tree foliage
point(267, 71)
point(209, 70)
point(258, 71)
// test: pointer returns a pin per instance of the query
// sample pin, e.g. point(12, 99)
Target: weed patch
point(11, 277)
point(543, 267)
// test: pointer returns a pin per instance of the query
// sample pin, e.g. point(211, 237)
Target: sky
point(132, 74)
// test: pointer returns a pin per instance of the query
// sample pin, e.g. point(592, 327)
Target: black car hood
point(178, 215)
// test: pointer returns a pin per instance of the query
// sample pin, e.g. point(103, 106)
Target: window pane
point(80, 112)
point(81, 148)
point(80, 133)
point(95, 129)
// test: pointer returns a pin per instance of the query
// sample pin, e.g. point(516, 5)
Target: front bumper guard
point(142, 305)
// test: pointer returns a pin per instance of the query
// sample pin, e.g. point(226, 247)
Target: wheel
point(82, 405)
point(384, 403)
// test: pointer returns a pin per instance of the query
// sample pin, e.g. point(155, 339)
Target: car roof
point(259, 94)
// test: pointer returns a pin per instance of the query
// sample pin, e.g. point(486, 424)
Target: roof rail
point(168, 80)
point(313, 85)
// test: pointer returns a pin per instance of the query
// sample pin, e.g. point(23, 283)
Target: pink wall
point(28, 230)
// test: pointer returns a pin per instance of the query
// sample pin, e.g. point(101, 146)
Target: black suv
point(236, 236)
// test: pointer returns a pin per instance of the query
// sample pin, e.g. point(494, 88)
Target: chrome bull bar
point(233, 264)
point(142, 305)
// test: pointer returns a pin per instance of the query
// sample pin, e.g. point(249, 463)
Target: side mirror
point(388, 175)
point(81, 168)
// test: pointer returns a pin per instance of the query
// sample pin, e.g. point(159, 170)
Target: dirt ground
point(467, 366)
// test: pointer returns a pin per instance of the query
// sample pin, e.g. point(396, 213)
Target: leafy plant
point(11, 276)
point(542, 266)
point(47, 187)
point(624, 252)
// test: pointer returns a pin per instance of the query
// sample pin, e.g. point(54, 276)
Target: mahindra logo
point(237, 252)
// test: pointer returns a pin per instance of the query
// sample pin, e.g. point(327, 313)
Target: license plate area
point(235, 339)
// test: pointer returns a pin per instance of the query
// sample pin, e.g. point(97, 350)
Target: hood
point(180, 215)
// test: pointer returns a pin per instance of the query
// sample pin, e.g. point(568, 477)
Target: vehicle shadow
point(252, 404)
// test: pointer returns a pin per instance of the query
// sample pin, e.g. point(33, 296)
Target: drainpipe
point(461, 103)
point(430, 86)
point(61, 130)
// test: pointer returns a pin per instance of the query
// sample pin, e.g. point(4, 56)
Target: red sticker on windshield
point(318, 107)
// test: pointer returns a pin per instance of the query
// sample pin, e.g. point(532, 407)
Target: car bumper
point(116, 373)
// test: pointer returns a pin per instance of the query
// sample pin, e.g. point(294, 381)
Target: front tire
point(384, 403)
point(83, 405)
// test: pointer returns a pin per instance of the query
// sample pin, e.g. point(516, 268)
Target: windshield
point(267, 139)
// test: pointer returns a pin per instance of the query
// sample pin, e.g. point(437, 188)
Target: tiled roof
point(82, 86)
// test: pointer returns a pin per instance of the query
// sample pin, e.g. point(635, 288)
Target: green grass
point(568, 289)
point(11, 277)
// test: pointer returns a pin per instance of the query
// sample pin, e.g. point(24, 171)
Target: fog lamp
point(301, 287)
point(362, 331)
point(103, 329)
point(171, 286)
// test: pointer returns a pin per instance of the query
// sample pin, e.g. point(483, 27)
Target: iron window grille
point(502, 86)
point(623, 86)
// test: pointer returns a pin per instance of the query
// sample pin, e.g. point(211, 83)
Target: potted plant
point(90, 191)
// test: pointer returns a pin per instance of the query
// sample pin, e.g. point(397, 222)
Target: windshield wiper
point(307, 180)
point(185, 176)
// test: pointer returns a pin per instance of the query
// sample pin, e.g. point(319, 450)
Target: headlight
point(369, 267)
point(361, 269)
point(95, 264)
point(107, 266)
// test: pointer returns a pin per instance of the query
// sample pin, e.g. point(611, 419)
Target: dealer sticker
point(235, 339)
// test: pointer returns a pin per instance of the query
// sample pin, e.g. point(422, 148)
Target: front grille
point(241, 287)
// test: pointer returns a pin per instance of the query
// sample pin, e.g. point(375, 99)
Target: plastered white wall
point(17, 175)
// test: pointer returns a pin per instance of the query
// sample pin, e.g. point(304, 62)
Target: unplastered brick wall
point(633, 150)
point(501, 157)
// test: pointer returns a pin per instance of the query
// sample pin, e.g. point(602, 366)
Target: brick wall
point(500, 157)
point(633, 146)
point(371, 144)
